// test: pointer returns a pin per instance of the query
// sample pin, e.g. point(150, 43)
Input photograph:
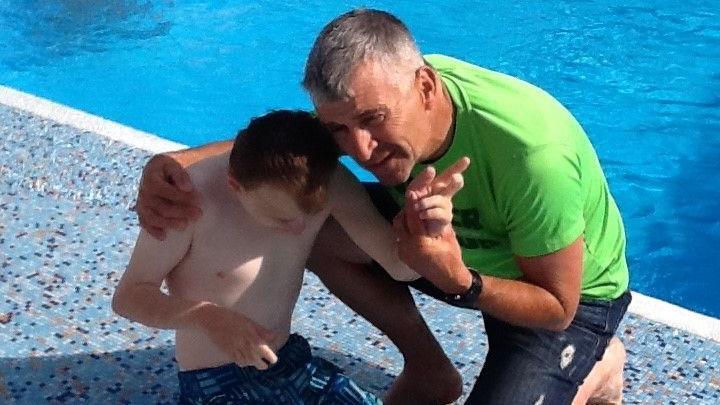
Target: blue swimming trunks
point(297, 378)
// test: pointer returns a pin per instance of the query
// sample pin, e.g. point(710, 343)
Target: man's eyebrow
point(372, 111)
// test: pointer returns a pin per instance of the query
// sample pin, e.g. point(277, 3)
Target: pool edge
point(642, 305)
point(85, 121)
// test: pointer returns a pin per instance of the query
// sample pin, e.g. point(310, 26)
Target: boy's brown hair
point(291, 149)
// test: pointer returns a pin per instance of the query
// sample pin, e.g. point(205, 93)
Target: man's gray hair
point(348, 41)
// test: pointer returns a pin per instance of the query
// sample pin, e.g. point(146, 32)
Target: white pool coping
point(642, 305)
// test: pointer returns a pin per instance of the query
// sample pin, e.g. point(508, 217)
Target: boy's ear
point(234, 184)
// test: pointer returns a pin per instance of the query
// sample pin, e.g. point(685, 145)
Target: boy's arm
point(138, 296)
point(352, 208)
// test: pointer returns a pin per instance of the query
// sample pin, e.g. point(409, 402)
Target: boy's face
point(272, 206)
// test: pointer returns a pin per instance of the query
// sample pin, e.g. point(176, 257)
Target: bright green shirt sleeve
point(543, 201)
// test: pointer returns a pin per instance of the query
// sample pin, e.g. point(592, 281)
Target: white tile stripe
point(86, 122)
point(643, 305)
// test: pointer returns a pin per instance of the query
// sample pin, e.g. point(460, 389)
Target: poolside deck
point(66, 231)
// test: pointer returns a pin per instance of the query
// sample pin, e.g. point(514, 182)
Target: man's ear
point(426, 80)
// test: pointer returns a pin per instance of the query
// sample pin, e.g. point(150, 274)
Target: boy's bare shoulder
point(209, 177)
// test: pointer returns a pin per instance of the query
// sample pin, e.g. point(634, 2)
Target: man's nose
point(363, 144)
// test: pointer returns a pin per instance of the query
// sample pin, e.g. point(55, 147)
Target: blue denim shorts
point(297, 378)
point(538, 366)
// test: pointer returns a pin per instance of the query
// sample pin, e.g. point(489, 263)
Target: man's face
point(383, 126)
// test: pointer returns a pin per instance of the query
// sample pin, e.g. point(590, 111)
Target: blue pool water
point(644, 81)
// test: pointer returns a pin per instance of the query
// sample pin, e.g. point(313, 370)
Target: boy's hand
point(430, 196)
point(246, 342)
point(166, 198)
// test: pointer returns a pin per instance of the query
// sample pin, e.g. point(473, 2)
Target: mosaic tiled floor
point(66, 231)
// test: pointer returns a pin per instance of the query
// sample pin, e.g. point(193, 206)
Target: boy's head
point(281, 166)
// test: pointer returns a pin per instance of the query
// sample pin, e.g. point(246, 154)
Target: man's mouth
point(380, 163)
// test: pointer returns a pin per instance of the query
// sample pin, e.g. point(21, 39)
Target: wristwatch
point(468, 299)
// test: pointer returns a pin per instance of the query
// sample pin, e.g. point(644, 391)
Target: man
point(538, 247)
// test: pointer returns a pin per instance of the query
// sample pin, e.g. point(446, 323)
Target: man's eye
point(374, 120)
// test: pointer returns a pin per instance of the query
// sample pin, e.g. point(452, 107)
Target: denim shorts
point(531, 366)
point(538, 366)
point(297, 378)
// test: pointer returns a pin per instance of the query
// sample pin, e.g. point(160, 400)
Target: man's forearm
point(187, 157)
point(146, 304)
point(522, 304)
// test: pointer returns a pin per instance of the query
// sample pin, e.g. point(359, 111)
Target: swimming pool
point(644, 81)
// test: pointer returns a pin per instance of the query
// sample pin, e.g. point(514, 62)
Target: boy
point(234, 275)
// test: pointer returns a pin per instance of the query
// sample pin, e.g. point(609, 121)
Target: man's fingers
point(450, 187)
point(457, 182)
point(172, 210)
point(436, 214)
point(162, 188)
point(414, 224)
point(443, 179)
point(420, 185)
point(154, 231)
point(433, 201)
point(150, 218)
point(177, 223)
point(458, 167)
point(177, 175)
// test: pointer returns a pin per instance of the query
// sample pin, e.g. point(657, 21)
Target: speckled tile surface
point(66, 231)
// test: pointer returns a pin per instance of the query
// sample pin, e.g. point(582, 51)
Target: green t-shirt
point(534, 184)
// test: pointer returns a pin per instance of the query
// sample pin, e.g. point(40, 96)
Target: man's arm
point(167, 199)
point(546, 297)
point(544, 205)
point(187, 157)
point(352, 208)
point(549, 291)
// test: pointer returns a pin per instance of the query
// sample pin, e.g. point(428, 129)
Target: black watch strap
point(468, 299)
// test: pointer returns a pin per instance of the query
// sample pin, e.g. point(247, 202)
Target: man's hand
point(432, 195)
point(166, 198)
point(246, 342)
point(426, 240)
point(436, 258)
